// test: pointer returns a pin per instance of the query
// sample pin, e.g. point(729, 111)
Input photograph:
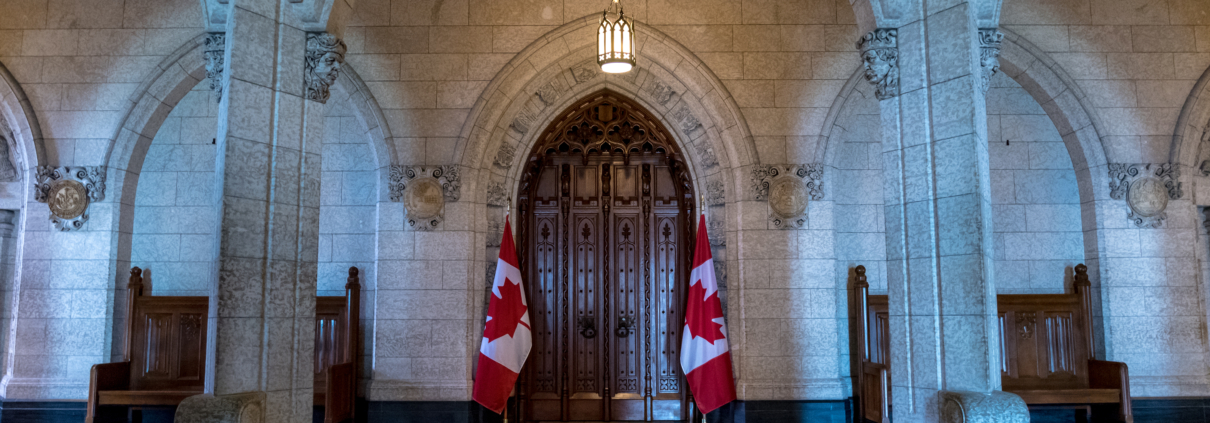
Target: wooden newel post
point(352, 314)
point(1084, 290)
point(861, 288)
point(134, 290)
point(861, 296)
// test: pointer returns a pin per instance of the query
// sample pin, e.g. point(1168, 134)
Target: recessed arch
point(22, 120)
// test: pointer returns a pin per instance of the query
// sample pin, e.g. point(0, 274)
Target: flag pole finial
point(703, 204)
point(508, 205)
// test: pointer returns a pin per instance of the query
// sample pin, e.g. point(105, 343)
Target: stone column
point(944, 335)
point(262, 312)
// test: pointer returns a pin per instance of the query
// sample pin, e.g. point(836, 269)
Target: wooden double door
point(606, 248)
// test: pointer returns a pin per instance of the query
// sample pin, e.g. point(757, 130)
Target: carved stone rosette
point(880, 57)
point(788, 189)
point(990, 40)
point(68, 191)
point(424, 191)
point(1147, 189)
point(214, 48)
point(325, 55)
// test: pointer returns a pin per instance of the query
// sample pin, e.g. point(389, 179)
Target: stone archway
point(558, 69)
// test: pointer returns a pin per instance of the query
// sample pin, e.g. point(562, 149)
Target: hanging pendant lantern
point(615, 41)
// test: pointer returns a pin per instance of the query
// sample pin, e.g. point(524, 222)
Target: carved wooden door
point(606, 241)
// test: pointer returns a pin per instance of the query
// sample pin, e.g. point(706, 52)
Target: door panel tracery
point(605, 208)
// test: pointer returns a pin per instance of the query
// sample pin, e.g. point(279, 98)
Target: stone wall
point(428, 63)
point(173, 233)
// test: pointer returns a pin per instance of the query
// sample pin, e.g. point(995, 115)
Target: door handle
point(588, 327)
point(625, 326)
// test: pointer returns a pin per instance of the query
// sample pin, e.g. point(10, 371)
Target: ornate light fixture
point(615, 41)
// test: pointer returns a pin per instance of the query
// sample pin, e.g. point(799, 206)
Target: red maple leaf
point(505, 311)
point(701, 312)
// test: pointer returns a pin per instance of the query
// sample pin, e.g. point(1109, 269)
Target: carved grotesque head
point(876, 68)
point(325, 54)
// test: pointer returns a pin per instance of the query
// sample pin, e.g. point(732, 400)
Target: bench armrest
point(1112, 375)
point(341, 396)
point(105, 377)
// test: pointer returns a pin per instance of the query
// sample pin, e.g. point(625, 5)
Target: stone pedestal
point(238, 408)
point(979, 407)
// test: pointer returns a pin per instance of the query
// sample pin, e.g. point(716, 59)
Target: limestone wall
point(783, 63)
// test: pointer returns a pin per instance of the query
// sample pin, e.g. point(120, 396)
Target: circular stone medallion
point(1148, 197)
point(424, 199)
point(67, 198)
point(787, 197)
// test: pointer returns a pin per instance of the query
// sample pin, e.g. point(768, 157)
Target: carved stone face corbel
point(424, 191)
point(788, 189)
point(214, 48)
point(325, 55)
point(990, 40)
point(68, 191)
point(880, 56)
point(1147, 189)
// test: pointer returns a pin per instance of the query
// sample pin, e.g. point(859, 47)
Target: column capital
point(989, 54)
point(325, 55)
point(880, 56)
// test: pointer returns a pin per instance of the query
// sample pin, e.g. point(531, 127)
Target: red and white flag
point(506, 337)
point(705, 356)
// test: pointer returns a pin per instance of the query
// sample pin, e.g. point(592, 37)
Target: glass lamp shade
point(615, 42)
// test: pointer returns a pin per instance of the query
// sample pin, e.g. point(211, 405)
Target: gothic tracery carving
point(880, 56)
point(608, 123)
point(325, 55)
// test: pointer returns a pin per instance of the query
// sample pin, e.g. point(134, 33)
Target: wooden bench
point(1047, 353)
point(164, 358)
point(336, 322)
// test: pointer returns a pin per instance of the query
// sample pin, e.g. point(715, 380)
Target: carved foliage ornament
point(788, 189)
point(424, 191)
point(990, 40)
point(880, 57)
point(716, 194)
point(213, 50)
point(1147, 189)
point(505, 156)
point(497, 195)
point(325, 55)
point(68, 191)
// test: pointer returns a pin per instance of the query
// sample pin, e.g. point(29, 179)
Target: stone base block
point(237, 408)
point(982, 407)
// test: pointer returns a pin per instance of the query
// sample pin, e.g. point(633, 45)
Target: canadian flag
point(506, 337)
point(705, 356)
